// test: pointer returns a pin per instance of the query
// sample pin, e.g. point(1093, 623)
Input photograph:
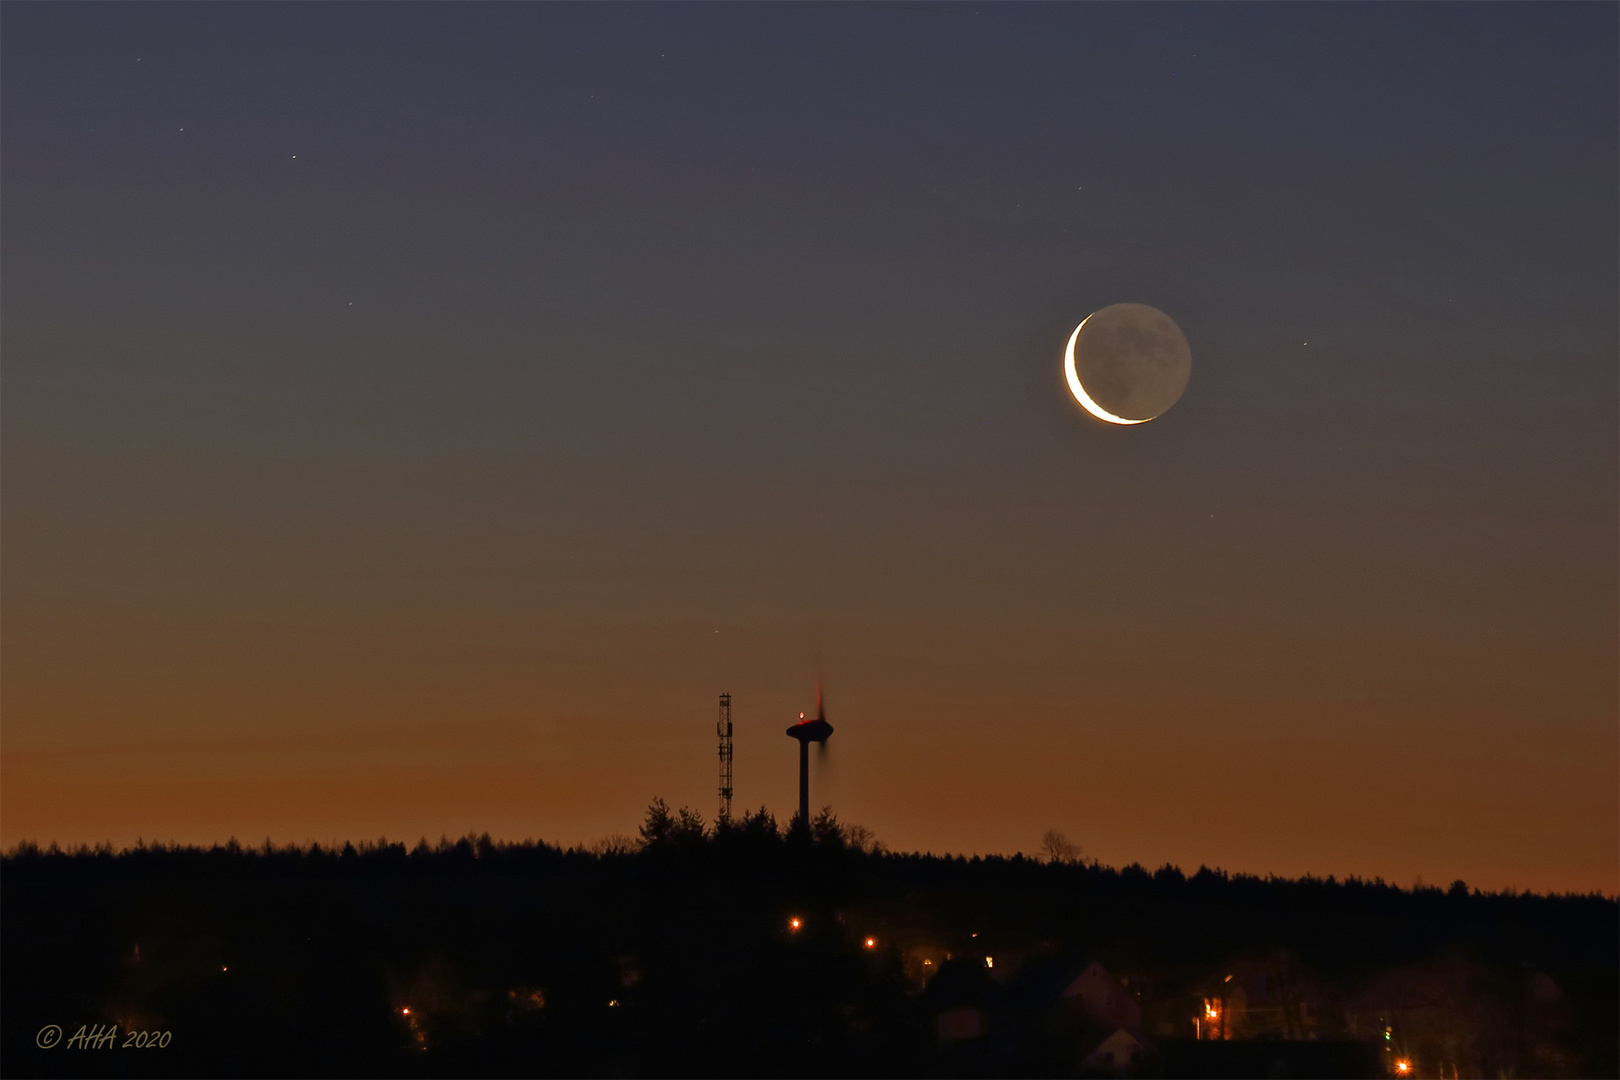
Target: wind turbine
point(807, 732)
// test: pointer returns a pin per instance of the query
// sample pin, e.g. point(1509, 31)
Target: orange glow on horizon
point(201, 785)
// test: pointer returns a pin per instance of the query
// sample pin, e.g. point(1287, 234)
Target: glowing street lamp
point(1403, 1067)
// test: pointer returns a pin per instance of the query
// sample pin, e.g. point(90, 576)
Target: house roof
point(1042, 981)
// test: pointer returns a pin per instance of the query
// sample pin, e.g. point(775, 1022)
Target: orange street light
point(871, 943)
point(794, 923)
point(1403, 1067)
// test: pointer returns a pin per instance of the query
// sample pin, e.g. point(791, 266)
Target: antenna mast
point(723, 728)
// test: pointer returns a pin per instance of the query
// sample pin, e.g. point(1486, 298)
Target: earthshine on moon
point(1127, 363)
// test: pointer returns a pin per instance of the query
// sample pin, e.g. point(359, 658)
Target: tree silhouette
point(761, 826)
point(825, 830)
point(660, 823)
point(1057, 848)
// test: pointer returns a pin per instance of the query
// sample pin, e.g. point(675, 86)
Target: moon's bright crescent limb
point(1079, 391)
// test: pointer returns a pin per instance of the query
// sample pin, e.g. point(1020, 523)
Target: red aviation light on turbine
point(817, 730)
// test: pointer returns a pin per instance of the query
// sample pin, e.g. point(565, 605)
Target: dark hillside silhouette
point(751, 949)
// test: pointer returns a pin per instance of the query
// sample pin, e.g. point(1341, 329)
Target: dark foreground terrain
point(754, 951)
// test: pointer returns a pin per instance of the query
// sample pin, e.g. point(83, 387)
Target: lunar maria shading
point(1127, 363)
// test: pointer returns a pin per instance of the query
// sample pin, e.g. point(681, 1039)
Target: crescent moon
point(1079, 391)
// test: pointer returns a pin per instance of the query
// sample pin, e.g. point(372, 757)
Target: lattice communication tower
point(723, 728)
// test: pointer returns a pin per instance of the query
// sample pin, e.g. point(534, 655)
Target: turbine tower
point(724, 730)
point(807, 732)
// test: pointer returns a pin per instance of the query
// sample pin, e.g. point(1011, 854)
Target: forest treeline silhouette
point(740, 948)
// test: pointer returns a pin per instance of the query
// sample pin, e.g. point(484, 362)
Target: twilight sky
point(414, 416)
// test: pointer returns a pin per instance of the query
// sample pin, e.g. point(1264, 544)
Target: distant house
point(1266, 997)
point(1068, 1015)
point(1051, 1015)
point(1117, 1053)
point(958, 999)
point(1458, 1016)
point(1102, 998)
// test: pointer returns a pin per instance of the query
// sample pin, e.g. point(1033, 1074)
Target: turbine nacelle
point(809, 731)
